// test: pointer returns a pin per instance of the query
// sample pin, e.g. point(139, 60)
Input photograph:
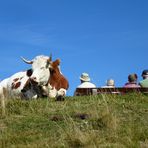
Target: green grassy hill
point(91, 121)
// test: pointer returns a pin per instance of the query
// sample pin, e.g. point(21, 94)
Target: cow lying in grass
point(43, 79)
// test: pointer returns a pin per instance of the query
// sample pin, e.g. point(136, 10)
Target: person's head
point(85, 77)
point(145, 74)
point(110, 82)
point(132, 77)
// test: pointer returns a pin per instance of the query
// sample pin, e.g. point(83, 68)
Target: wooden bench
point(117, 90)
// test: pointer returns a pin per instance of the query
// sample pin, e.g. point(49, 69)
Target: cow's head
point(57, 79)
point(40, 69)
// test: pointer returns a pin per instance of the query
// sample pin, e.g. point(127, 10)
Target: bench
point(117, 90)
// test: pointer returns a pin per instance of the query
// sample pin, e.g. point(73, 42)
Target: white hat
point(85, 77)
point(110, 82)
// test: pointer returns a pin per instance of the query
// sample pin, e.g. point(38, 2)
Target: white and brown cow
point(27, 83)
point(57, 85)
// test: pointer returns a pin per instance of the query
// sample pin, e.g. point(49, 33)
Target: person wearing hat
point(132, 81)
point(85, 82)
point(144, 82)
point(110, 83)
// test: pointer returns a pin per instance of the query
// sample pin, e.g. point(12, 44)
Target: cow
point(27, 83)
point(57, 84)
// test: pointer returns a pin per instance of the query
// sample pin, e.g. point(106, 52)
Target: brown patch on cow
point(29, 72)
point(15, 80)
point(57, 80)
point(15, 85)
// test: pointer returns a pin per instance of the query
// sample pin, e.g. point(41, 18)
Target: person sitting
point(110, 83)
point(85, 83)
point(144, 82)
point(132, 81)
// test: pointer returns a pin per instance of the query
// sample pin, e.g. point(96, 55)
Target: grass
point(88, 121)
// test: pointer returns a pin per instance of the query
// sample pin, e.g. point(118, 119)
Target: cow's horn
point(27, 61)
point(50, 58)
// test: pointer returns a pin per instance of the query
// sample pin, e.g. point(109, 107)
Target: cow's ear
point(56, 63)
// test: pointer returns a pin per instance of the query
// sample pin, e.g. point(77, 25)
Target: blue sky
point(105, 38)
